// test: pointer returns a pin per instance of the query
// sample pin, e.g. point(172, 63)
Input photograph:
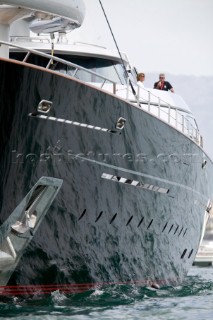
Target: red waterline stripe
point(90, 284)
point(45, 288)
point(55, 285)
point(70, 288)
point(15, 293)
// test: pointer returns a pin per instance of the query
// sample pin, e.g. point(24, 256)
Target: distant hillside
point(198, 94)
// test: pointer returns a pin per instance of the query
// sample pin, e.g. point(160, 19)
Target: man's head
point(161, 76)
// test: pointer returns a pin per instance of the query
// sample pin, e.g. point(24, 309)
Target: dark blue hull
point(132, 203)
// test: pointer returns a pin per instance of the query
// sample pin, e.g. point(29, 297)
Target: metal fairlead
point(204, 163)
point(44, 106)
point(120, 123)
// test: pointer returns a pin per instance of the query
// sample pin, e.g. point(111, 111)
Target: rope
point(126, 73)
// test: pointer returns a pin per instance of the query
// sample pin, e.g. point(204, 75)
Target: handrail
point(54, 58)
point(171, 117)
point(161, 102)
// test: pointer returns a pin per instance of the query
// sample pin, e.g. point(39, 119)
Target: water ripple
point(192, 300)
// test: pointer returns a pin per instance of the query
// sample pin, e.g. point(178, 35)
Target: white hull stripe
point(79, 124)
point(172, 183)
point(134, 183)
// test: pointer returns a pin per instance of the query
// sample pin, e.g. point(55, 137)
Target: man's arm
point(170, 87)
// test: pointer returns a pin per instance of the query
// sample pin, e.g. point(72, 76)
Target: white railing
point(173, 110)
point(176, 116)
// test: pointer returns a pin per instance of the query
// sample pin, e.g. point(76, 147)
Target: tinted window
point(109, 69)
point(106, 68)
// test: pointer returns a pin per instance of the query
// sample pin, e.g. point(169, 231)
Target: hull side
point(102, 226)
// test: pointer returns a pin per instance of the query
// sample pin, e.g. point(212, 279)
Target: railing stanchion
point(74, 73)
point(169, 114)
point(49, 63)
point(159, 102)
point(114, 88)
point(103, 84)
point(26, 57)
point(138, 95)
point(176, 120)
point(127, 89)
point(149, 96)
point(159, 106)
point(192, 131)
point(196, 136)
point(187, 127)
point(182, 123)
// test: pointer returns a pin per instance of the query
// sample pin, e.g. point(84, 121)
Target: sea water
point(192, 300)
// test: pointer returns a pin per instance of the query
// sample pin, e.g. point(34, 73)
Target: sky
point(171, 36)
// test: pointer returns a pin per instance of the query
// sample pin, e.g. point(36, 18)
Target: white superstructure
point(46, 16)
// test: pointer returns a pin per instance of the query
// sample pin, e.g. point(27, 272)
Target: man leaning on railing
point(162, 84)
